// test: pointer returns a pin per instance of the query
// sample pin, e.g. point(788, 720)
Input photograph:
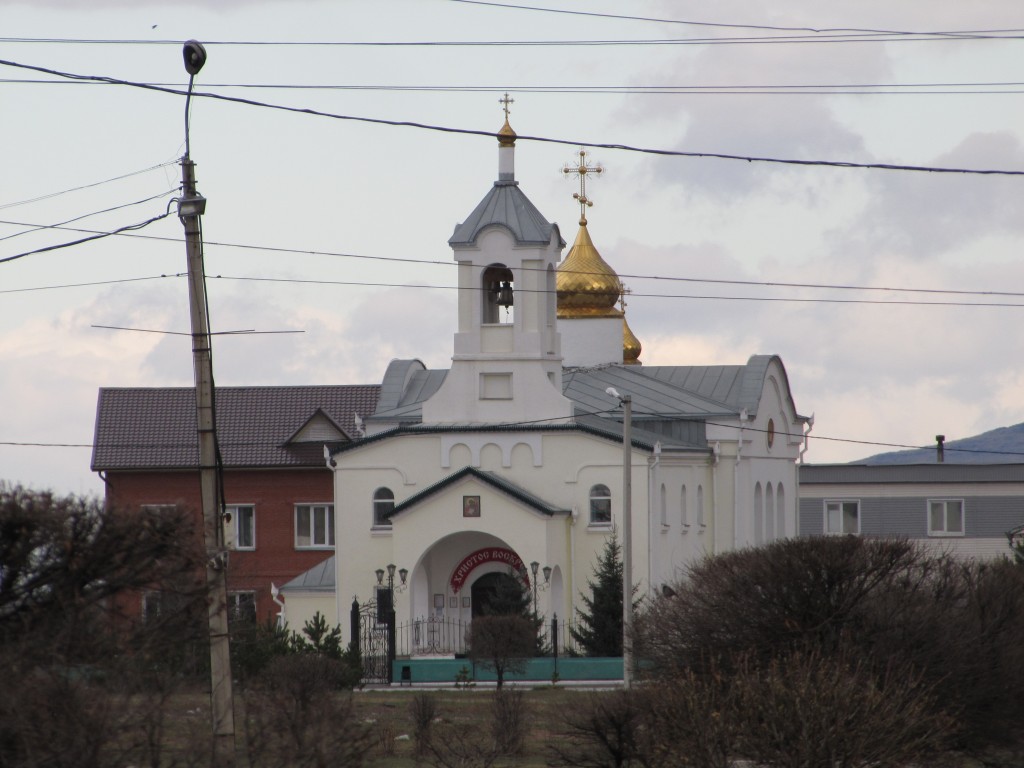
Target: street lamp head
point(534, 567)
point(403, 574)
point(380, 575)
point(391, 571)
point(195, 56)
point(547, 574)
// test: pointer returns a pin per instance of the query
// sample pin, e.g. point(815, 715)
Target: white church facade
point(511, 461)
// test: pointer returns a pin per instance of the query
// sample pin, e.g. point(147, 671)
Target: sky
point(333, 227)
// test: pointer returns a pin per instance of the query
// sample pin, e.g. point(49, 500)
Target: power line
point(825, 89)
point(370, 284)
point(822, 37)
point(448, 263)
point(542, 139)
point(81, 240)
point(696, 297)
point(89, 284)
point(620, 17)
point(88, 215)
point(87, 186)
point(534, 422)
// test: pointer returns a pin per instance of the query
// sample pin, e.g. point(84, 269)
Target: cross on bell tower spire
point(506, 101)
point(582, 170)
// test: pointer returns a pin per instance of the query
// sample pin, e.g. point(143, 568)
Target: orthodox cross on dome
point(622, 299)
point(582, 170)
point(505, 102)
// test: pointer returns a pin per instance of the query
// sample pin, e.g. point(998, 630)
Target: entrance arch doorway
point(496, 593)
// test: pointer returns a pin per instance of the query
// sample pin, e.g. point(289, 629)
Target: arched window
point(600, 505)
point(700, 506)
point(780, 512)
point(758, 515)
point(684, 515)
point(664, 506)
point(769, 513)
point(497, 293)
point(383, 503)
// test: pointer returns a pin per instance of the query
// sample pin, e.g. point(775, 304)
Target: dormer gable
point(319, 428)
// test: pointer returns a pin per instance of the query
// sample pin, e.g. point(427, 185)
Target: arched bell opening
point(497, 294)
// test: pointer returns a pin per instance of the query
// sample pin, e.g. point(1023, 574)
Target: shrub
point(423, 709)
point(772, 599)
point(953, 626)
point(295, 716)
point(509, 726)
point(610, 731)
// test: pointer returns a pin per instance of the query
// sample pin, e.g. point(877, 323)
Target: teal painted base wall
point(537, 670)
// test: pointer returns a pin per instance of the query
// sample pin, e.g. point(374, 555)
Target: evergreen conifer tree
point(599, 627)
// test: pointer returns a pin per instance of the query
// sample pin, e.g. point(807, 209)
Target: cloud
point(923, 215)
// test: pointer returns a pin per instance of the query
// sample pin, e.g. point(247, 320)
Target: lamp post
point(534, 568)
point(386, 612)
point(191, 207)
point(627, 534)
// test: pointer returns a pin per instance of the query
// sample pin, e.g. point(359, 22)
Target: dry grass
point(463, 715)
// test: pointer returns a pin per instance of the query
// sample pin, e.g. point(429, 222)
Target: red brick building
point(278, 489)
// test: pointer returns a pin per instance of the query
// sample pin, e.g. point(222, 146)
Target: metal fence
point(437, 636)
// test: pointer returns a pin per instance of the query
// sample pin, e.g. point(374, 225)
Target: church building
point(510, 463)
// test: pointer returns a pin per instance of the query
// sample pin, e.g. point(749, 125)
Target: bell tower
point(507, 361)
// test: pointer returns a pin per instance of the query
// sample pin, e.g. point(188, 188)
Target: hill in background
point(999, 446)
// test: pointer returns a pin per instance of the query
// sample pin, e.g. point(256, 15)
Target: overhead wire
point(822, 37)
point(58, 246)
point(41, 228)
point(722, 25)
point(557, 421)
point(821, 89)
point(87, 186)
point(540, 139)
point(448, 263)
point(634, 294)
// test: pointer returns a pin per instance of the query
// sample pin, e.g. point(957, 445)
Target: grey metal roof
point(319, 578)
point(155, 428)
point(674, 401)
point(652, 397)
point(405, 404)
point(490, 478)
point(505, 205)
point(842, 474)
point(738, 386)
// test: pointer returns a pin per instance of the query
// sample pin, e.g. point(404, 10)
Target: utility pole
point(191, 207)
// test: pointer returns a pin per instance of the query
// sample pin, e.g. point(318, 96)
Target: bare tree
point(86, 671)
point(502, 643)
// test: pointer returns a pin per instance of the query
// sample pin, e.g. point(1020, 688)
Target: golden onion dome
point(586, 285)
point(506, 136)
point(631, 346)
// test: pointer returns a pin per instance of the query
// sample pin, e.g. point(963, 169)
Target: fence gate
point(371, 633)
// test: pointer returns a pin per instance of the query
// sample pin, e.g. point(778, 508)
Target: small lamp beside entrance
point(386, 607)
point(535, 568)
